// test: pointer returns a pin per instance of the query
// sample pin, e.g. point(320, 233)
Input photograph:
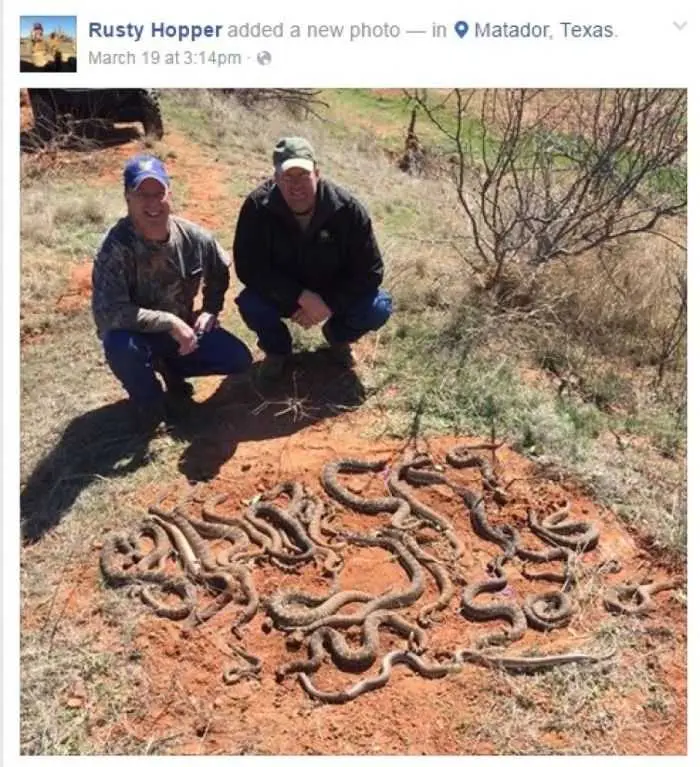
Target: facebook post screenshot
point(346, 372)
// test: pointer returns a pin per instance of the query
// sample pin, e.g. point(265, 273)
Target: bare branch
point(540, 179)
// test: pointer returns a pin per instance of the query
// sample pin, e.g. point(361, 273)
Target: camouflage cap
point(293, 152)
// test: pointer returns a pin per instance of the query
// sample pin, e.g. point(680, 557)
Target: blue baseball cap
point(144, 166)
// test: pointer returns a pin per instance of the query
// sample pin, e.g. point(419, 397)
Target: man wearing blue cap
point(146, 274)
point(305, 250)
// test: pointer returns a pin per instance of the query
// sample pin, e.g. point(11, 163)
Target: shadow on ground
point(312, 390)
point(96, 446)
point(103, 445)
point(83, 136)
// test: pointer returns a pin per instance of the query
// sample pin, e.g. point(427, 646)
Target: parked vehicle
point(53, 107)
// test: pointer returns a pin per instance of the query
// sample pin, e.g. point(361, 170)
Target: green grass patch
point(464, 389)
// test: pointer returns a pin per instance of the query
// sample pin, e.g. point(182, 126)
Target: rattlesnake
point(527, 664)
point(306, 548)
point(314, 510)
point(462, 457)
point(254, 534)
point(312, 513)
point(568, 578)
point(252, 670)
point(294, 533)
point(359, 658)
point(373, 683)
point(118, 545)
point(548, 611)
point(387, 601)
point(218, 531)
point(188, 558)
point(398, 507)
point(505, 536)
point(291, 488)
point(203, 568)
point(274, 536)
point(291, 609)
point(442, 578)
point(615, 597)
point(580, 535)
point(421, 510)
point(437, 671)
point(510, 612)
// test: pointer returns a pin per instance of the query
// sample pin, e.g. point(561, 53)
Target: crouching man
point(305, 251)
point(146, 275)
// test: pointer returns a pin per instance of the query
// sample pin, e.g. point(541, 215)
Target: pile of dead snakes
point(298, 533)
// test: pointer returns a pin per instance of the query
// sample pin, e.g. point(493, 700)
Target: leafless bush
point(543, 177)
point(300, 102)
point(540, 181)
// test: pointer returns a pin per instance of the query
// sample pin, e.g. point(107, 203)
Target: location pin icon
point(461, 28)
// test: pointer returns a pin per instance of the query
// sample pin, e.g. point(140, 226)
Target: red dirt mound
point(186, 702)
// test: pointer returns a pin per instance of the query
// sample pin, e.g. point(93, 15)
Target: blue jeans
point(135, 357)
point(264, 319)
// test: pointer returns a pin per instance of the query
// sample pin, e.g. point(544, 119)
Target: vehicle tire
point(151, 116)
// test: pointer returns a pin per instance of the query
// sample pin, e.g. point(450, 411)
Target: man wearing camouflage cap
point(305, 250)
point(146, 274)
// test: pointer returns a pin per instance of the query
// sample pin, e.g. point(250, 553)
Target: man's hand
point(205, 322)
point(314, 307)
point(184, 335)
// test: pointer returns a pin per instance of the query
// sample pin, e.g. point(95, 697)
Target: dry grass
point(575, 709)
point(60, 227)
point(629, 298)
point(72, 681)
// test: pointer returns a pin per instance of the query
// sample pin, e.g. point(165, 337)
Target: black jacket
point(337, 256)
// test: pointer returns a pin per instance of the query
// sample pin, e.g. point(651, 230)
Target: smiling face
point(298, 187)
point(149, 209)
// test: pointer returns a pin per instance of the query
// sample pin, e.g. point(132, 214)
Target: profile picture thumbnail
point(48, 44)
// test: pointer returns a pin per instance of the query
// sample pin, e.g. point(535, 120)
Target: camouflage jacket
point(139, 286)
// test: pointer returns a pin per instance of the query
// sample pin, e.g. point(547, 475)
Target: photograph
point(353, 421)
point(48, 44)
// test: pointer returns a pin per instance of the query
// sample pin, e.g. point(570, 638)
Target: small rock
point(78, 690)
point(246, 467)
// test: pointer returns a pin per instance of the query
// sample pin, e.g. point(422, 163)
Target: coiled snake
point(510, 612)
point(354, 659)
point(119, 545)
point(636, 599)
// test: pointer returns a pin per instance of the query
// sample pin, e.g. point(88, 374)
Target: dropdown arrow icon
point(680, 25)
